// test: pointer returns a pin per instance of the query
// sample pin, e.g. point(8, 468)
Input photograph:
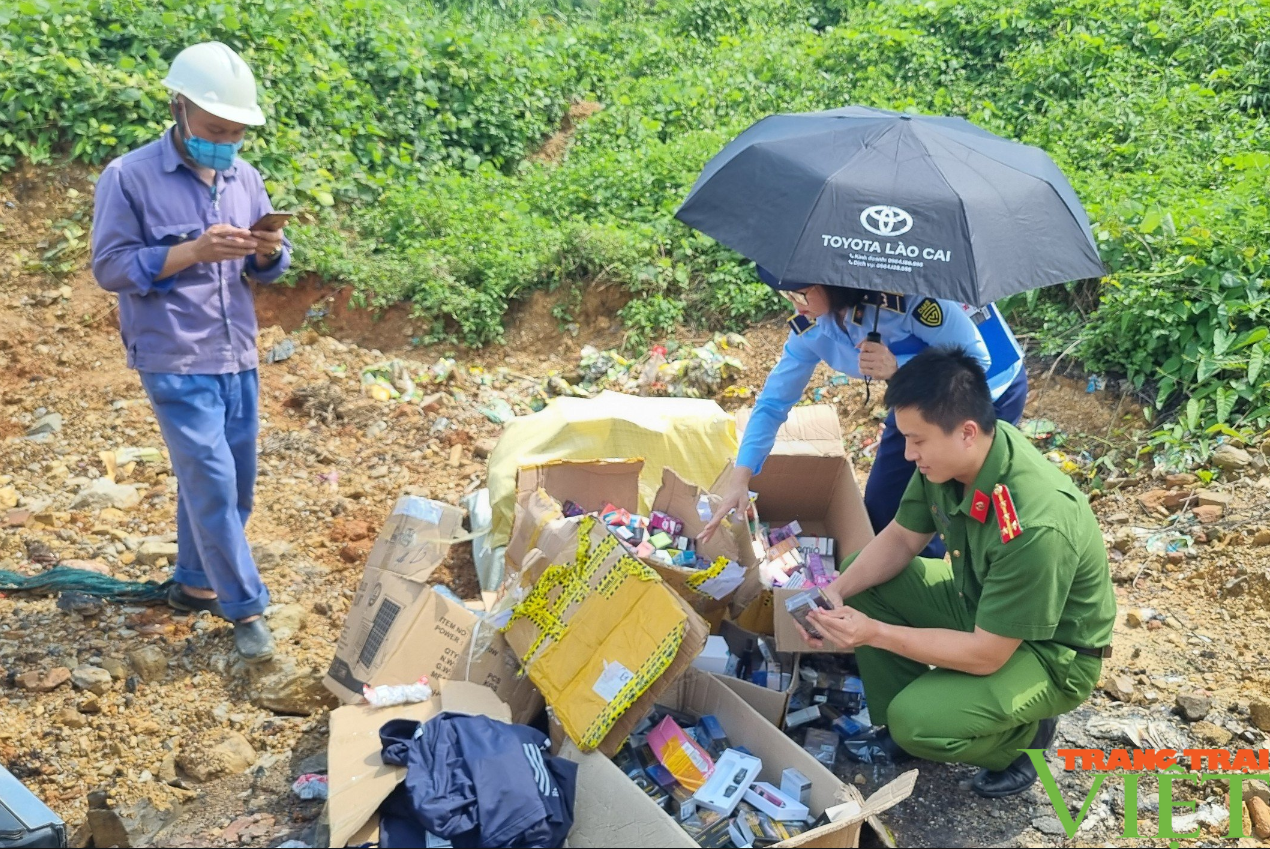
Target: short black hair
point(947, 386)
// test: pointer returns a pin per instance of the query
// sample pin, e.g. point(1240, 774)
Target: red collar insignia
point(979, 507)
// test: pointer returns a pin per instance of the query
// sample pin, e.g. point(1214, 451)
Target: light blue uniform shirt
point(914, 325)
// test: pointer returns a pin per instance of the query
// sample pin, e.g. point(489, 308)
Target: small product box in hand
point(802, 604)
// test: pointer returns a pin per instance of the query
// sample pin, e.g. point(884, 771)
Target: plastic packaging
point(311, 785)
point(687, 761)
point(386, 695)
point(648, 376)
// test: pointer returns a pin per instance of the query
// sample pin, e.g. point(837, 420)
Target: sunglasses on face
point(796, 298)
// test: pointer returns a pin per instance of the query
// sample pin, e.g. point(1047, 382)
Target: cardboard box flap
point(852, 810)
point(359, 778)
point(537, 514)
point(597, 822)
point(587, 483)
point(679, 498)
point(811, 430)
point(891, 795)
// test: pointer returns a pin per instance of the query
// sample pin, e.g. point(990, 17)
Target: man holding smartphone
point(176, 231)
point(1015, 621)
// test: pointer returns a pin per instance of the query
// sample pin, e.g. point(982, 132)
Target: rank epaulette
point(1007, 517)
point(799, 324)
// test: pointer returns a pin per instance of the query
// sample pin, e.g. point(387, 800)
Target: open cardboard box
point(611, 811)
point(808, 477)
point(540, 490)
point(399, 628)
point(359, 778)
point(768, 703)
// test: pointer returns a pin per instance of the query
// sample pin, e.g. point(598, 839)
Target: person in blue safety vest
point(869, 335)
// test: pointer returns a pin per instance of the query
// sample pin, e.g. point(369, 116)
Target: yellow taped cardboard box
point(611, 811)
point(599, 633)
point(399, 628)
point(808, 477)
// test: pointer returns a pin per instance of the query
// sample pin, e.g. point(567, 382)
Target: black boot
point(893, 750)
point(253, 640)
point(1020, 774)
point(179, 599)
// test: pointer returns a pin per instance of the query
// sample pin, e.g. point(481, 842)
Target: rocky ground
point(139, 727)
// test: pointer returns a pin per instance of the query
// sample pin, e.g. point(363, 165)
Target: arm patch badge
point(799, 324)
point(930, 313)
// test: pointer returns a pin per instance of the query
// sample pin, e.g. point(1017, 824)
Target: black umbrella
point(893, 202)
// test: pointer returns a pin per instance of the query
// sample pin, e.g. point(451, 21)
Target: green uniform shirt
point(1050, 582)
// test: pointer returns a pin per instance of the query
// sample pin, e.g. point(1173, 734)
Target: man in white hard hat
point(173, 237)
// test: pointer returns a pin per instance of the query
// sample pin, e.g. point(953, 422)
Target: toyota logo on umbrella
point(886, 220)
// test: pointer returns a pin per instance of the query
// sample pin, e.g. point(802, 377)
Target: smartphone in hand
point(272, 221)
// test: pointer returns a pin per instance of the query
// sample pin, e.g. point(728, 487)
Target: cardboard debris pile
point(400, 628)
point(606, 617)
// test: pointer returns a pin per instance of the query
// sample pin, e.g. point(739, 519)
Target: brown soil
point(312, 303)
point(554, 148)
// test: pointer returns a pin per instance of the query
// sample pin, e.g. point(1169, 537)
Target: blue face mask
point(215, 155)
point(218, 156)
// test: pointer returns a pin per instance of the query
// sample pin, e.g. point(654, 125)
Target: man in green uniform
point(1018, 616)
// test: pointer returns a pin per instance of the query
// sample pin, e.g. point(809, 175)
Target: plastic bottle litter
point(311, 785)
point(498, 411)
point(648, 376)
point(1169, 541)
point(443, 370)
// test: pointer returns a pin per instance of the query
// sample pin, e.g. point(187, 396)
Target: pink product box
point(664, 522)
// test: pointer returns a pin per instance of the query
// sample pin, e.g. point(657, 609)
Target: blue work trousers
point(891, 472)
point(210, 423)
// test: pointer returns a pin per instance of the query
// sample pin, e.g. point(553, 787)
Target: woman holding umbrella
point(869, 201)
point(869, 335)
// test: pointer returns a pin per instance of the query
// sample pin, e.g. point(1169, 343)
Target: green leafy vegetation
point(409, 129)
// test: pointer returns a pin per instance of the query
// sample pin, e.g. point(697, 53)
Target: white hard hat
point(216, 79)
